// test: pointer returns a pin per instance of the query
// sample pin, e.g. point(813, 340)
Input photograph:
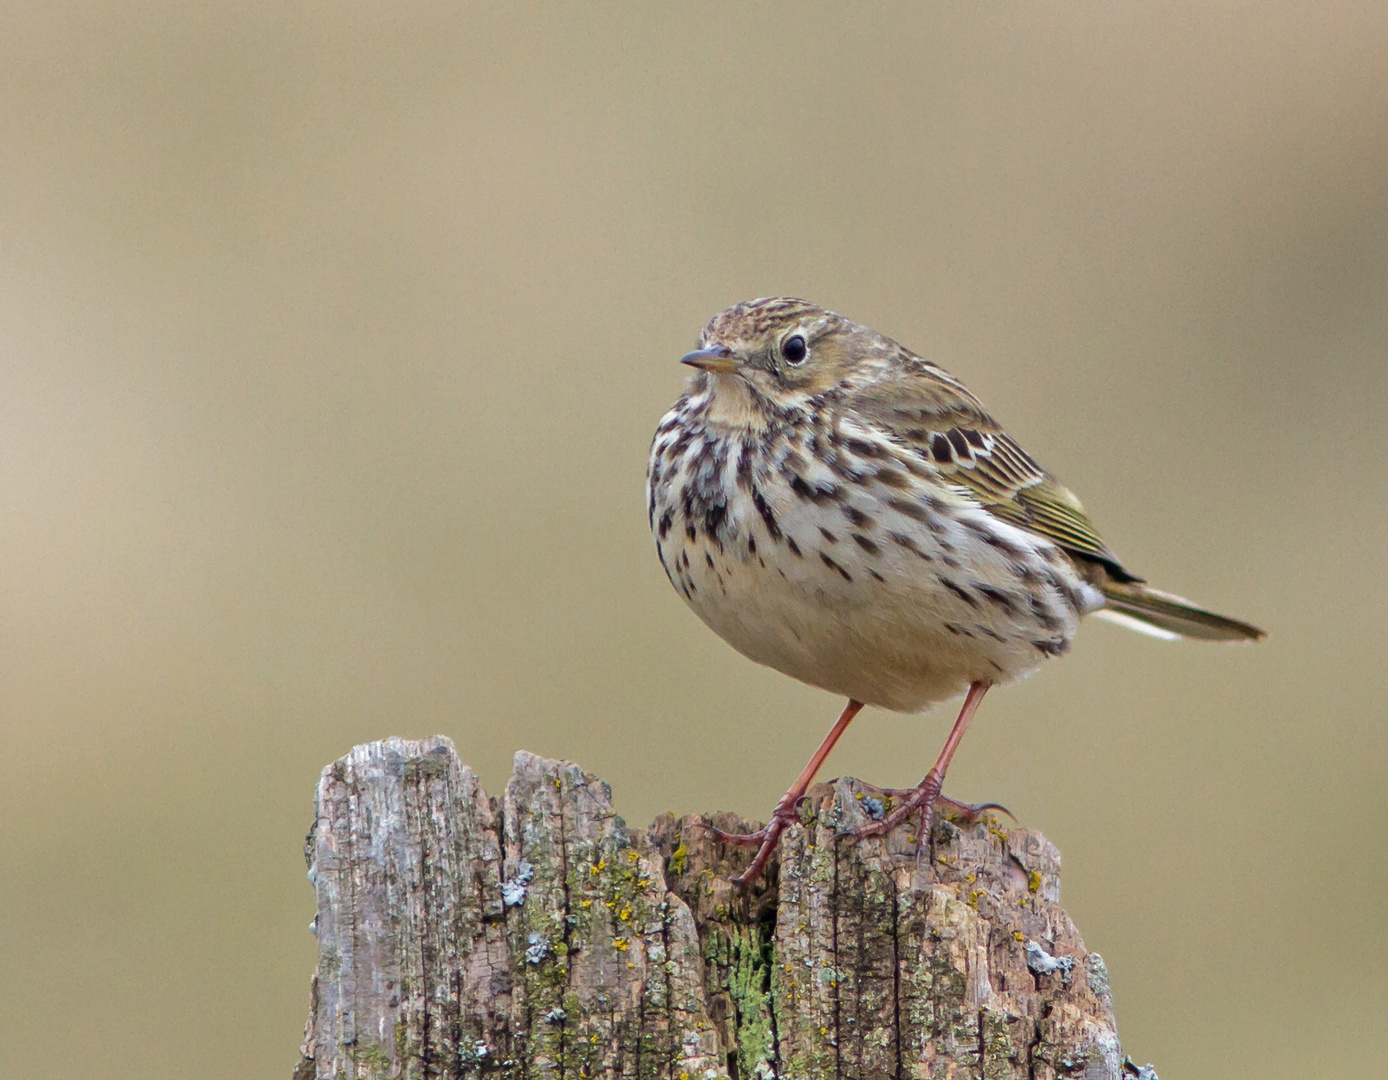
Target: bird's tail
point(1163, 615)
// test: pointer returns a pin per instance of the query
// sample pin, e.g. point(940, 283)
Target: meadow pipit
point(846, 512)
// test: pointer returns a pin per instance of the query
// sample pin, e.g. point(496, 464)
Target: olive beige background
point(332, 341)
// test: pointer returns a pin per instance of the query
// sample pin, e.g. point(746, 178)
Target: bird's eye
point(794, 349)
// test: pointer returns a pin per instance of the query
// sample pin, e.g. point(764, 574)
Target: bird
point(842, 510)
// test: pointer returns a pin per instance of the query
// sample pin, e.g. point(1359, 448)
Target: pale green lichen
point(749, 985)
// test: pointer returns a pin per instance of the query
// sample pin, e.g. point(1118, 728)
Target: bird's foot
point(927, 798)
point(953, 809)
point(764, 839)
point(922, 796)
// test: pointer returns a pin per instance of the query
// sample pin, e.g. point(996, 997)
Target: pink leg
point(928, 790)
point(784, 814)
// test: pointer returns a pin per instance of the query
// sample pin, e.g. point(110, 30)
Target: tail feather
point(1165, 615)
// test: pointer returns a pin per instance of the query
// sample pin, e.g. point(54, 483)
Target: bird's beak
point(718, 359)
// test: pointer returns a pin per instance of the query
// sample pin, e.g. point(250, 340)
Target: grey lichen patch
point(1097, 972)
point(1043, 963)
point(513, 891)
point(1133, 1071)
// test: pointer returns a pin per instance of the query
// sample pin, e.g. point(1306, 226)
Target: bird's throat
point(734, 405)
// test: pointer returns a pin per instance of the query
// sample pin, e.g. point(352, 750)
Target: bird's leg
point(769, 835)
point(928, 790)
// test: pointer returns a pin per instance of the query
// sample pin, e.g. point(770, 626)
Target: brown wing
point(930, 413)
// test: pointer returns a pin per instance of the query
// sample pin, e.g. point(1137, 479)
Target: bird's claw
point(781, 817)
point(968, 812)
point(764, 839)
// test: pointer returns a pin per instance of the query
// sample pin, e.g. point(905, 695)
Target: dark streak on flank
point(713, 522)
point(891, 478)
point(844, 471)
point(815, 493)
point(957, 590)
point(1067, 592)
point(853, 514)
point(828, 535)
point(866, 544)
point(794, 547)
point(992, 539)
point(910, 545)
point(1043, 614)
point(864, 449)
point(835, 566)
point(910, 507)
point(998, 596)
point(772, 528)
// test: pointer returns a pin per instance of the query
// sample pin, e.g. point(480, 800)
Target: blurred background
point(332, 339)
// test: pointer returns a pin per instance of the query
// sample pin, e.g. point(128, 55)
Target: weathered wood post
point(536, 935)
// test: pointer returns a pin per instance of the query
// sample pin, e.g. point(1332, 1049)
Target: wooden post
point(536, 935)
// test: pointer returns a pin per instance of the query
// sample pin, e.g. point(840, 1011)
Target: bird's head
point(786, 350)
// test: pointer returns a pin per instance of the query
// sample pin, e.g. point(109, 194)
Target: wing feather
point(928, 412)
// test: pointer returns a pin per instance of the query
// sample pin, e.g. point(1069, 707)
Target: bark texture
point(536, 935)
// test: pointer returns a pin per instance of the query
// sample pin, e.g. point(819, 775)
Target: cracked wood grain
point(535, 935)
